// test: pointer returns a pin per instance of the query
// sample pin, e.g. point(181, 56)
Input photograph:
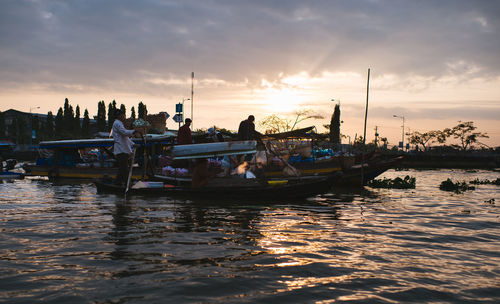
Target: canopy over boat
point(214, 149)
point(98, 142)
point(298, 133)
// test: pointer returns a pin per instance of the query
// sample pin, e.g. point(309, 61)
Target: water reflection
point(63, 241)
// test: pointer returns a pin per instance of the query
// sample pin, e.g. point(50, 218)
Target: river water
point(63, 243)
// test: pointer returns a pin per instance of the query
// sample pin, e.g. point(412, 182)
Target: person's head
point(119, 115)
point(188, 121)
point(251, 118)
point(211, 131)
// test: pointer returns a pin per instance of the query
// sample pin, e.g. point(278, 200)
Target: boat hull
point(250, 189)
point(79, 173)
point(11, 175)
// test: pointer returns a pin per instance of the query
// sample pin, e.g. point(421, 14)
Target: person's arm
point(120, 129)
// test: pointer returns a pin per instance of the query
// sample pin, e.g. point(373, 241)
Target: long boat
point(232, 187)
point(356, 170)
point(86, 158)
point(5, 175)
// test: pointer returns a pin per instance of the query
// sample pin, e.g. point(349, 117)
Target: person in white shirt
point(122, 147)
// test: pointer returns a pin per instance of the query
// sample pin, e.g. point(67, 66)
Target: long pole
point(364, 134)
point(403, 135)
point(192, 100)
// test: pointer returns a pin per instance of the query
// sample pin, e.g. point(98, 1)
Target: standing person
point(246, 131)
point(122, 147)
point(184, 134)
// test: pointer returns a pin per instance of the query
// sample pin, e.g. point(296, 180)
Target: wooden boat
point(65, 158)
point(237, 188)
point(353, 171)
point(370, 170)
point(11, 175)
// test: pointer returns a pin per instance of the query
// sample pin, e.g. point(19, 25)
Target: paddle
point(130, 171)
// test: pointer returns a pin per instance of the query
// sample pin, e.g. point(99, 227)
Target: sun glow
point(283, 100)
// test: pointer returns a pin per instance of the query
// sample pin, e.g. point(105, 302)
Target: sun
point(282, 100)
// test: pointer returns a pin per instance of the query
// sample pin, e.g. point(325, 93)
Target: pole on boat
point(364, 134)
point(145, 160)
point(130, 170)
point(192, 93)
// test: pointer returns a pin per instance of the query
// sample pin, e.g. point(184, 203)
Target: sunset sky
point(433, 62)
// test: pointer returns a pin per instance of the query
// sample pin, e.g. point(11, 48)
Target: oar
point(130, 171)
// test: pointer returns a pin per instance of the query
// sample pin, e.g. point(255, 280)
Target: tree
point(49, 126)
point(464, 132)
point(111, 114)
point(59, 123)
point(132, 113)
point(76, 123)
point(101, 116)
point(2, 126)
point(123, 109)
point(143, 111)
point(335, 126)
point(426, 139)
point(86, 124)
point(68, 117)
point(276, 124)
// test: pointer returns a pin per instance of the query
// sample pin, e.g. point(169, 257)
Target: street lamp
point(31, 125)
point(403, 134)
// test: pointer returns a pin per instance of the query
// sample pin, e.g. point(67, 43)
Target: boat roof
point(206, 150)
point(99, 142)
point(299, 133)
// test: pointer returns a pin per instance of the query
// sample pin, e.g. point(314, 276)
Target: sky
point(432, 62)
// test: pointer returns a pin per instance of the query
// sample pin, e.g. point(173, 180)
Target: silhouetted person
point(184, 134)
point(246, 131)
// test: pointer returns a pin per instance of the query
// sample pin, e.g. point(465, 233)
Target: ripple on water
point(66, 243)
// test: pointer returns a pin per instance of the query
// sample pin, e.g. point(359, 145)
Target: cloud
point(86, 42)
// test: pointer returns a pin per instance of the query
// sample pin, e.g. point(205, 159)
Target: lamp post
point(403, 134)
point(31, 125)
point(183, 100)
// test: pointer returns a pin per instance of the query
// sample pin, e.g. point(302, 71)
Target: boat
point(87, 158)
point(355, 168)
point(231, 187)
point(5, 175)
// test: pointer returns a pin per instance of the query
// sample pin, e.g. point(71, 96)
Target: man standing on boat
point(123, 146)
point(184, 134)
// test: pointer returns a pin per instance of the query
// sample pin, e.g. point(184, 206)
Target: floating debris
point(491, 201)
point(458, 187)
point(408, 182)
point(477, 181)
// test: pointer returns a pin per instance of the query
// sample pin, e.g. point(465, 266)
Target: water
point(63, 243)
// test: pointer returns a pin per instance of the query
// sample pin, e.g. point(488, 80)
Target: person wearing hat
point(184, 134)
point(214, 135)
point(122, 148)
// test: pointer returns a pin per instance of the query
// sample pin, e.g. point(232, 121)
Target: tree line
point(68, 123)
point(464, 132)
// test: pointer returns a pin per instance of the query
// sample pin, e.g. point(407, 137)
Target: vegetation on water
point(408, 182)
point(485, 182)
point(458, 187)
